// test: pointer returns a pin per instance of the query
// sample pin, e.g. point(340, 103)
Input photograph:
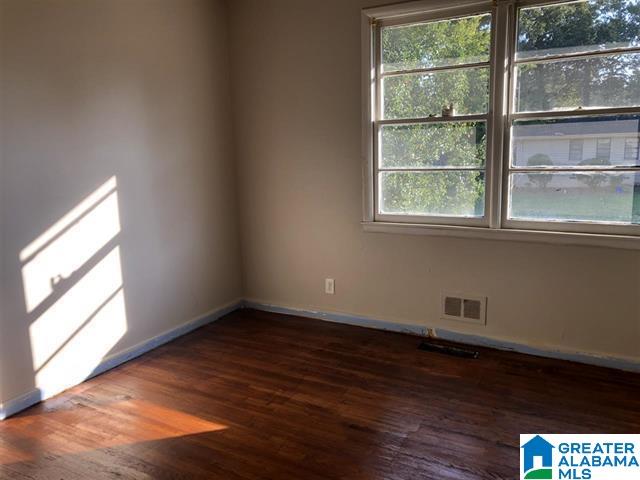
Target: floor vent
point(448, 350)
point(464, 308)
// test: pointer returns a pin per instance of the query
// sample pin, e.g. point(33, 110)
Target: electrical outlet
point(329, 286)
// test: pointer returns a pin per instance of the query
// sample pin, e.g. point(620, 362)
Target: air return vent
point(452, 306)
point(465, 308)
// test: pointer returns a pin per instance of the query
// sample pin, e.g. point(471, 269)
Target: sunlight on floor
point(74, 292)
point(132, 421)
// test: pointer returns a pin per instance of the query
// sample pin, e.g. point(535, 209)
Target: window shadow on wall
point(74, 292)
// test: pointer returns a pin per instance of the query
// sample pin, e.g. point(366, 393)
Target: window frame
point(499, 118)
point(450, 13)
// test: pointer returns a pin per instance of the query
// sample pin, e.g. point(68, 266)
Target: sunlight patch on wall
point(72, 337)
point(70, 243)
point(74, 292)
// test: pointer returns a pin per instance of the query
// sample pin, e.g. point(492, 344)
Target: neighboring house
point(579, 143)
point(565, 144)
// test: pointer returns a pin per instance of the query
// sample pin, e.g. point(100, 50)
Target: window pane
point(436, 44)
point(603, 151)
point(585, 196)
point(576, 150)
point(578, 27)
point(433, 145)
point(631, 149)
point(421, 95)
point(586, 82)
point(455, 193)
point(555, 142)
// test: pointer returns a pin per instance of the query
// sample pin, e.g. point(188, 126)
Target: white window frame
point(495, 224)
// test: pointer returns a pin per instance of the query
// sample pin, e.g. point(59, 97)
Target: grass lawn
point(601, 205)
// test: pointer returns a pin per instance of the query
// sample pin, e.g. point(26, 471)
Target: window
point(433, 118)
point(631, 150)
point(576, 147)
point(455, 139)
point(603, 151)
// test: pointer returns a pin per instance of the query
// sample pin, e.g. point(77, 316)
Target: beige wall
point(131, 89)
point(296, 67)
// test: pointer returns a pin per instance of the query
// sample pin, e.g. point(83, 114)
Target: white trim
point(419, 7)
point(572, 113)
point(620, 363)
point(452, 220)
point(344, 318)
point(474, 118)
point(428, 70)
point(577, 55)
point(495, 126)
point(578, 226)
point(37, 395)
point(368, 106)
point(518, 235)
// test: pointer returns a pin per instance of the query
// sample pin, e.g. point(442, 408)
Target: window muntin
point(431, 162)
point(568, 85)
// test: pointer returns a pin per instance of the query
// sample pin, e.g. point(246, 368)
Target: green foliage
point(540, 160)
point(409, 96)
point(434, 145)
point(436, 44)
point(455, 193)
point(605, 81)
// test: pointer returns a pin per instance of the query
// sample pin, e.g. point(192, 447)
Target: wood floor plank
point(265, 396)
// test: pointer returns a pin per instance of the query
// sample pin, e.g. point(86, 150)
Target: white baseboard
point(357, 320)
point(627, 364)
point(22, 402)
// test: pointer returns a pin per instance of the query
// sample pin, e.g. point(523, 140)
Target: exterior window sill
point(537, 236)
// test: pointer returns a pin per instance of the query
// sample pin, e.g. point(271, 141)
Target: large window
point(519, 116)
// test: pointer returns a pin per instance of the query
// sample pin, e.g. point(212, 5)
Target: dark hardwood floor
point(264, 396)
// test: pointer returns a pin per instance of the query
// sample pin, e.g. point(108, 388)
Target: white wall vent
point(463, 307)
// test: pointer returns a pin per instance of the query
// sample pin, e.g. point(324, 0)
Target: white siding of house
point(558, 149)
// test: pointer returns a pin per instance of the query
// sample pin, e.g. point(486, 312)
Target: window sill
point(558, 238)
